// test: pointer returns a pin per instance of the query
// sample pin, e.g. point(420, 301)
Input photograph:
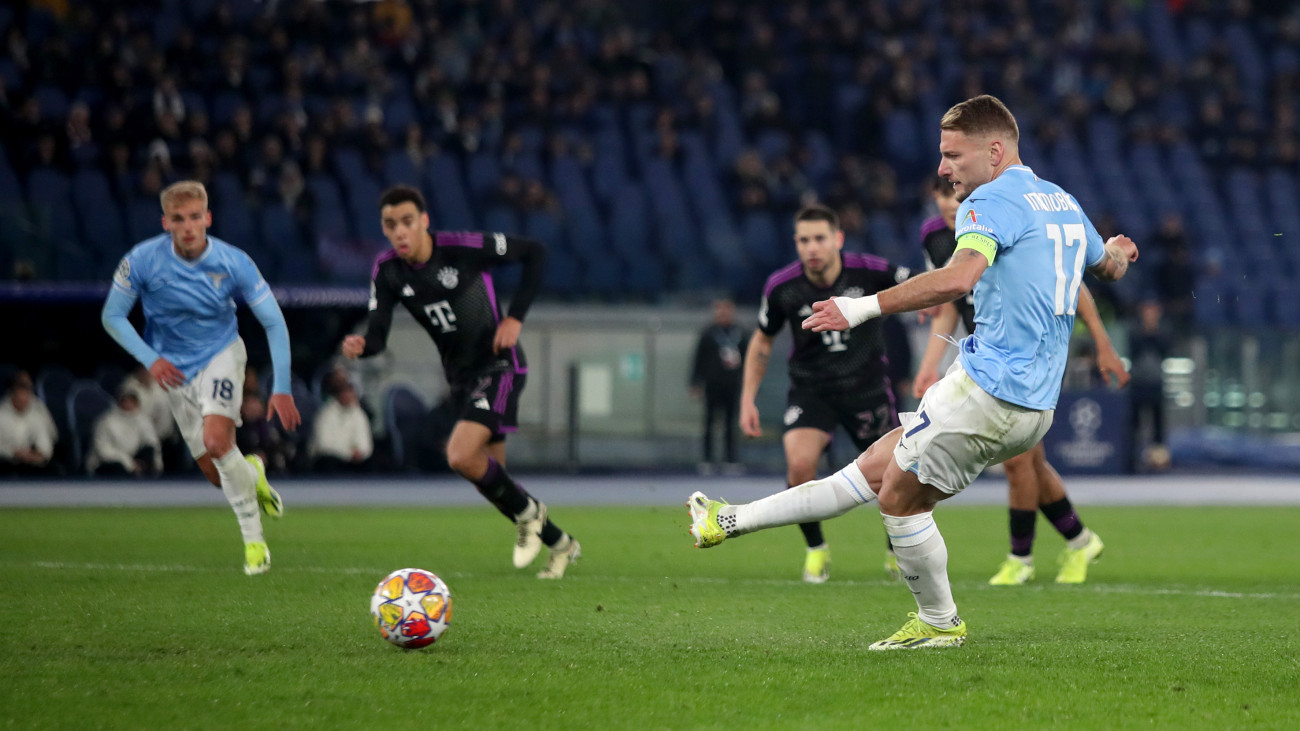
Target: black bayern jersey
point(832, 360)
point(939, 243)
point(453, 298)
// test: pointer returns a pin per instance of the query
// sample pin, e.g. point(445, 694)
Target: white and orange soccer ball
point(411, 607)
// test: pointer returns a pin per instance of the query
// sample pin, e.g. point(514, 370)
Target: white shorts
point(959, 429)
point(217, 389)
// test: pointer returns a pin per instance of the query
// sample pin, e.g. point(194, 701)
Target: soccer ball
point(411, 607)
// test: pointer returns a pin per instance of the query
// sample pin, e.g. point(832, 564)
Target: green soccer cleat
point(917, 634)
point(891, 566)
point(267, 498)
point(257, 558)
point(704, 520)
point(817, 566)
point(1013, 572)
point(559, 560)
point(1074, 563)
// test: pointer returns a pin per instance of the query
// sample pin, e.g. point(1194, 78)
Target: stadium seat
point(405, 416)
point(49, 192)
point(399, 168)
point(279, 228)
point(143, 219)
point(762, 241)
point(446, 194)
point(103, 229)
point(483, 173)
point(86, 402)
point(109, 376)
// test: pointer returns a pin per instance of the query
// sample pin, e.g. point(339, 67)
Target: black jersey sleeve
point(771, 316)
point(382, 301)
point(532, 254)
point(493, 248)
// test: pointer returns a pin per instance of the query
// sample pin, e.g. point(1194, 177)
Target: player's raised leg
point(713, 521)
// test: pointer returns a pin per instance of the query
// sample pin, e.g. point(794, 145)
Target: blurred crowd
point(120, 425)
point(550, 115)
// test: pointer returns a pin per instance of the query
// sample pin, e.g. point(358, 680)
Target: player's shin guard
point(239, 485)
point(502, 492)
point(812, 501)
point(923, 558)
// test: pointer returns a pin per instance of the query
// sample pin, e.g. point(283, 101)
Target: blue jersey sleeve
point(252, 287)
point(121, 298)
point(986, 217)
point(1096, 247)
point(127, 278)
point(257, 293)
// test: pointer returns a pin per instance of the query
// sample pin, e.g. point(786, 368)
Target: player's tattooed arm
point(1120, 252)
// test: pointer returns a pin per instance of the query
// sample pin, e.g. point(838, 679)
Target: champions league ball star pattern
point(412, 608)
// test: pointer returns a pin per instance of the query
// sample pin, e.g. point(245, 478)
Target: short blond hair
point(185, 190)
point(982, 115)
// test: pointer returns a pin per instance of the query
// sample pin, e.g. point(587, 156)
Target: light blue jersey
point(189, 306)
point(1026, 299)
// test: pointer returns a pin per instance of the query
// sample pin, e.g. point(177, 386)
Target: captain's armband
point(979, 243)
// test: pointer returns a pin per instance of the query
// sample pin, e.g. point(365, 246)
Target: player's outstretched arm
point(923, 290)
point(1108, 361)
point(267, 311)
point(756, 358)
point(115, 322)
point(1120, 252)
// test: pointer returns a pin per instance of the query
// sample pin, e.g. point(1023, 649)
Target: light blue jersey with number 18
point(189, 306)
point(1025, 301)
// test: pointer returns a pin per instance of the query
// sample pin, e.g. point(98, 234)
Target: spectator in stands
point(153, 404)
point(716, 377)
point(341, 440)
point(27, 431)
point(1176, 275)
point(259, 436)
point(1149, 346)
point(125, 443)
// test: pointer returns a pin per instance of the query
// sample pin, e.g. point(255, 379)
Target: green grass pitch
point(142, 619)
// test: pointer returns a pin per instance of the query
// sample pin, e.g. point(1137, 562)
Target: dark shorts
point(490, 399)
point(865, 414)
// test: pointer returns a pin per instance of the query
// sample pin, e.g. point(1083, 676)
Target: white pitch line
point(965, 586)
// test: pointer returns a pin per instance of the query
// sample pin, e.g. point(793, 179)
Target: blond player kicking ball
point(1023, 244)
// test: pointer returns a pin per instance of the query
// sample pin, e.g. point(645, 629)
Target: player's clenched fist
point(353, 346)
point(1125, 245)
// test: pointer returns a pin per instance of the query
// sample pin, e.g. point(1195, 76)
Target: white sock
point(1026, 560)
point(1080, 540)
point(239, 485)
point(923, 559)
point(530, 513)
point(812, 501)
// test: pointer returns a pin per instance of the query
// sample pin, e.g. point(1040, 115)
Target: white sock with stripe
point(923, 559)
point(816, 500)
point(239, 485)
